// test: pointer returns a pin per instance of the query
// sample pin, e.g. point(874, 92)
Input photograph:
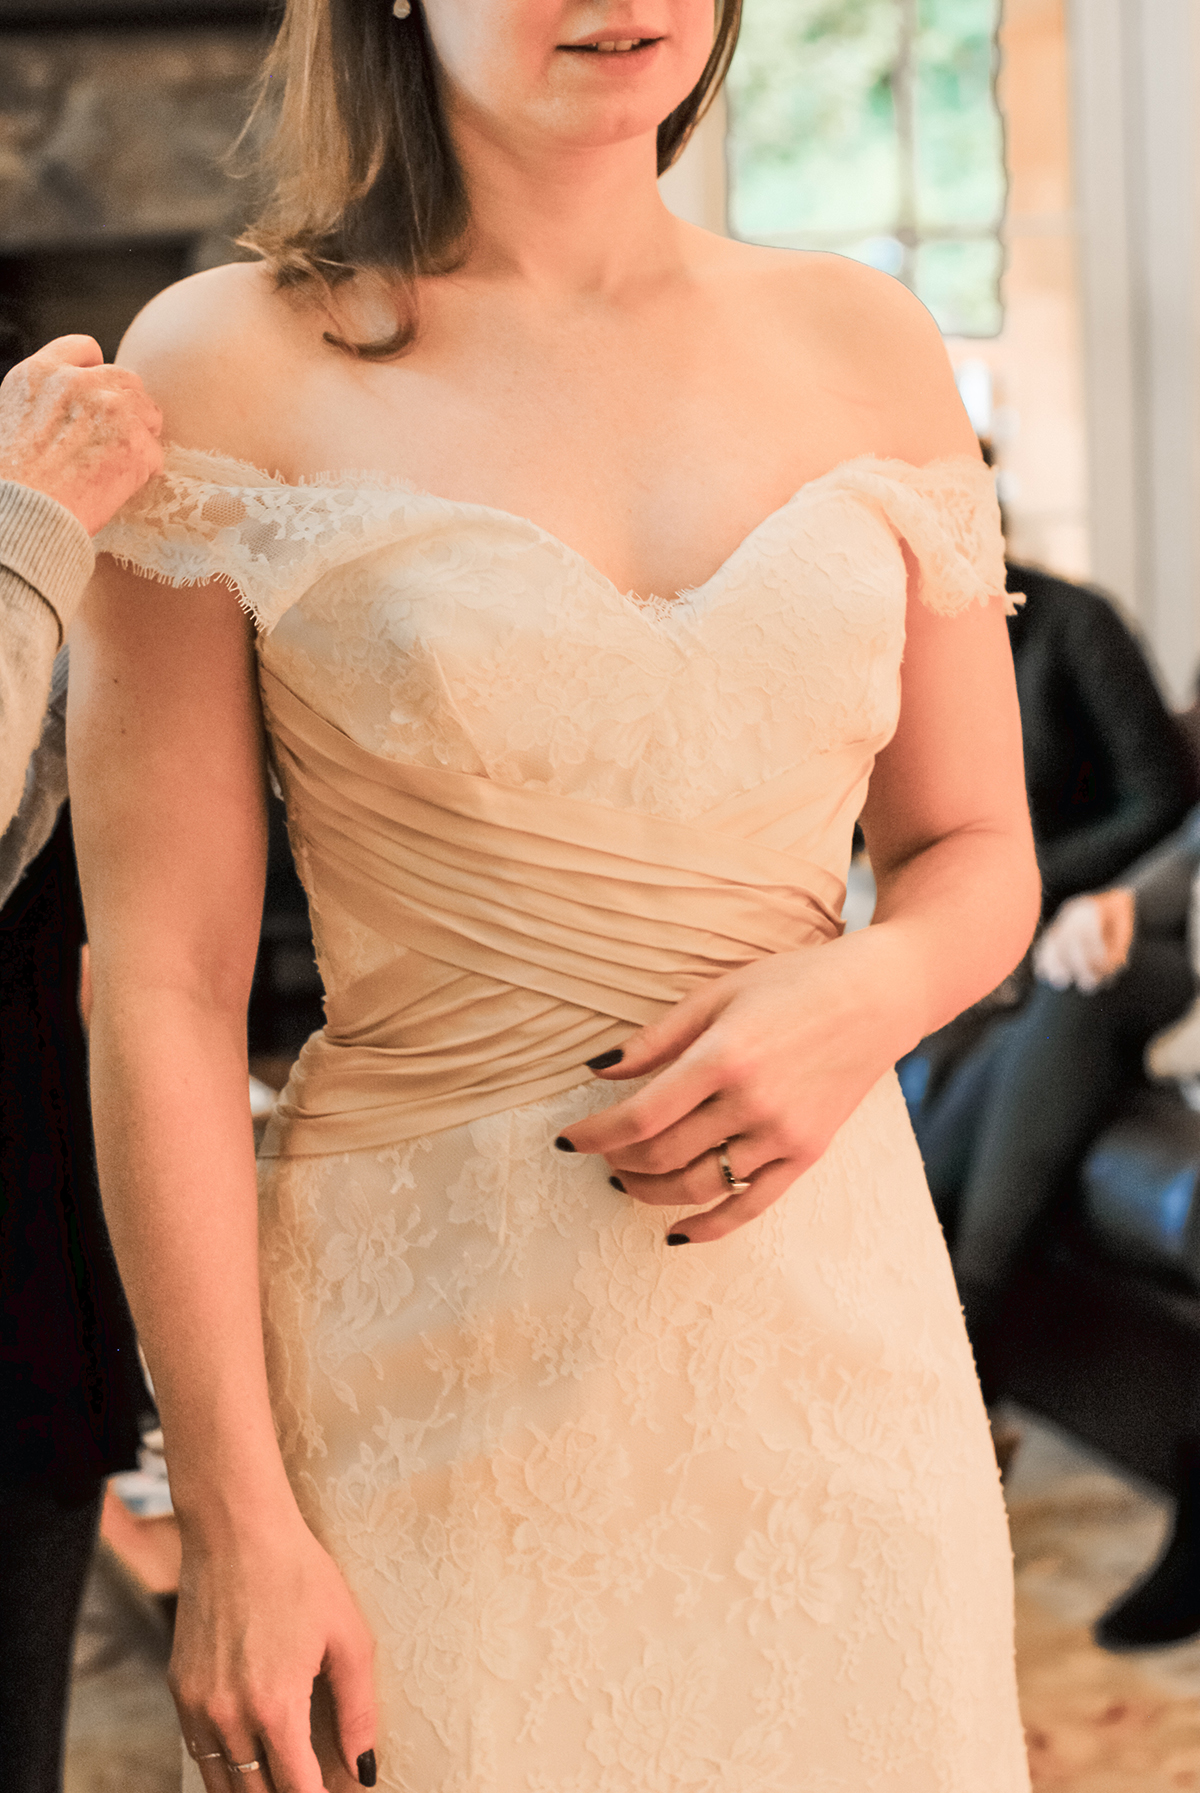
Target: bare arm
point(168, 800)
point(165, 771)
point(77, 439)
point(946, 820)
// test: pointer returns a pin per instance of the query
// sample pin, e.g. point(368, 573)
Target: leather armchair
point(1101, 1329)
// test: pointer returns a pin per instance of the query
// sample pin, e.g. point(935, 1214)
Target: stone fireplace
point(115, 125)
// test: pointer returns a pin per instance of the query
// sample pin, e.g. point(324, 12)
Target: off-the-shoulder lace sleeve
point(209, 518)
point(948, 515)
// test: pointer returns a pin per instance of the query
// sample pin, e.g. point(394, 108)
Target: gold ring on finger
point(254, 1767)
point(736, 1185)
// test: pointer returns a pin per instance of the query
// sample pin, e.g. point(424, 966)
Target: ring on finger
point(734, 1184)
point(254, 1767)
point(208, 1755)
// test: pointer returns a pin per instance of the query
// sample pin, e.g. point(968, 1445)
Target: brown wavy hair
point(358, 157)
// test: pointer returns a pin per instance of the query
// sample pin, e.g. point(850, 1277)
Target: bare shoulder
point(873, 341)
point(214, 350)
point(887, 348)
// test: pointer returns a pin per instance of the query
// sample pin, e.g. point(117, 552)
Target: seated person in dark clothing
point(1007, 1100)
point(1107, 779)
point(1014, 1119)
point(1105, 768)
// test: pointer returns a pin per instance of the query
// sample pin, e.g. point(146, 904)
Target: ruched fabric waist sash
point(531, 932)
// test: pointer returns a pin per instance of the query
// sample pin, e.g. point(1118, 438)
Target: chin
point(593, 132)
point(632, 106)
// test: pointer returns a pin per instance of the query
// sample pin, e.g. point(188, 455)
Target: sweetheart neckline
point(653, 606)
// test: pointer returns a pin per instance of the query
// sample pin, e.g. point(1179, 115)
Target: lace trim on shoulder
point(208, 517)
point(948, 515)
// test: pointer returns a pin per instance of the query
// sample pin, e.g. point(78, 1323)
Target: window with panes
point(871, 127)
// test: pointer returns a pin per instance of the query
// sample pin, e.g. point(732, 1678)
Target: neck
point(577, 223)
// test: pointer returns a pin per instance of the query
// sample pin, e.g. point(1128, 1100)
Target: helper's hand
point(772, 1059)
point(259, 1619)
point(1088, 941)
point(82, 432)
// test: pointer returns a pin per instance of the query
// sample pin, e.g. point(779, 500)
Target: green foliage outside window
point(871, 127)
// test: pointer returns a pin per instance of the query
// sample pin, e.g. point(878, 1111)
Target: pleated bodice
point(530, 811)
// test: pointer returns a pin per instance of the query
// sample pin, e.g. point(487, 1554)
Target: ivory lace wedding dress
point(623, 1518)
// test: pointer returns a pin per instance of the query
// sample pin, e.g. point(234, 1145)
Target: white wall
point(1136, 78)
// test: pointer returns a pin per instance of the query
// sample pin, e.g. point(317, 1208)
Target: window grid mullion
point(903, 85)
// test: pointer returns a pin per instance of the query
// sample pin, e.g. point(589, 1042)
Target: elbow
point(1025, 896)
point(1028, 869)
point(184, 994)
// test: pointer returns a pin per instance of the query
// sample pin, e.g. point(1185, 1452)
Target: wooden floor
point(1096, 1723)
point(121, 1731)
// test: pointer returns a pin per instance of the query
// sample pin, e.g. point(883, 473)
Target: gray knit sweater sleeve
point(46, 559)
point(45, 789)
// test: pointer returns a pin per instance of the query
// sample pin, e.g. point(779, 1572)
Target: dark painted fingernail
point(604, 1061)
point(367, 1770)
point(617, 1184)
point(563, 1143)
point(678, 1239)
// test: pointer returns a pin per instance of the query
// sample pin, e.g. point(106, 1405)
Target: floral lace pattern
point(624, 1519)
point(455, 635)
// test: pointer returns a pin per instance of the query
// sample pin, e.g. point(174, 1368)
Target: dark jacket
point(1162, 881)
point(71, 1388)
point(1104, 764)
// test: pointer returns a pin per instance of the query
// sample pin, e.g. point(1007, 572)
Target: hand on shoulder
point(81, 432)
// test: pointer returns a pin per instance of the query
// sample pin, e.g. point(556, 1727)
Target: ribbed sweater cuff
point(46, 546)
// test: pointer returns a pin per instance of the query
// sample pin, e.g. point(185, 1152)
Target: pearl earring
point(402, 8)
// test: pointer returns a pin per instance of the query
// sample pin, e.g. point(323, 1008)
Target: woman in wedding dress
point(584, 1405)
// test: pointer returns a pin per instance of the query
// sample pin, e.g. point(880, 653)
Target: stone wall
point(119, 136)
point(114, 170)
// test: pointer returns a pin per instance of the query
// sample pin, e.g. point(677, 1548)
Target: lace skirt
point(633, 1519)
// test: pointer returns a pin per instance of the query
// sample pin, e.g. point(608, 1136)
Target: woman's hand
point(259, 1619)
point(772, 1058)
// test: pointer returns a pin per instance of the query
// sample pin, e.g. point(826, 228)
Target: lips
point(611, 46)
